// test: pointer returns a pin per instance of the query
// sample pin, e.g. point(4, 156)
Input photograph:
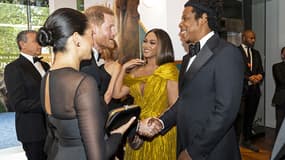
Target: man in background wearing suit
point(278, 100)
point(210, 88)
point(23, 80)
point(253, 76)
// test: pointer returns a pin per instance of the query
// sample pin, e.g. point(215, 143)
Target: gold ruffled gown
point(153, 103)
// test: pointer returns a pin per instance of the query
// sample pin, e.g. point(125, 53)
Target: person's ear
point(283, 56)
point(22, 44)
point(94, 29)
point(76, 39)
point(204, 18)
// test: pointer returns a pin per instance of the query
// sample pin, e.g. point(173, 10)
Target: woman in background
point(110, 71)
point(153, 84)
point(71, 101)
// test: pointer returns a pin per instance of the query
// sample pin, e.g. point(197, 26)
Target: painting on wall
point(127, 17)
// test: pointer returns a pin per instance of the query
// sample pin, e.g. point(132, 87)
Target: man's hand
point(149, 127)
point(255, 79)
point(184, 155)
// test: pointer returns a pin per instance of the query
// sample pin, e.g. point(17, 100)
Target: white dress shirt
point(202, 43)
point(96, 55)
point(37, 65)
point(248, 54)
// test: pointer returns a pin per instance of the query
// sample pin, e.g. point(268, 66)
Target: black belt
point(70, 142)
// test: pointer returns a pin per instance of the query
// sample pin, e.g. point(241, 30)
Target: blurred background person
point(111, 68)
point(278, 100)
point(71, 99)
point(110, 71)
point(109, 74)
point(253, 76)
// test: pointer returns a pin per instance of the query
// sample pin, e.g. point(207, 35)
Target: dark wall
point(239, 9)
point(232, 9)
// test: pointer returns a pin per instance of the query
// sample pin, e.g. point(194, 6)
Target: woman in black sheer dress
point(76, 117)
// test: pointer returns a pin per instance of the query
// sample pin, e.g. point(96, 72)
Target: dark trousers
point(34, 150)
point(280, 114)
point(239, 120)
point(251, 101)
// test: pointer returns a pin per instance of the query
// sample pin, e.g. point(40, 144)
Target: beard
point(105, 43)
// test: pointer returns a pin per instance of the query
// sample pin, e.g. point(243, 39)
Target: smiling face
point(150, 45)
point(189, 26)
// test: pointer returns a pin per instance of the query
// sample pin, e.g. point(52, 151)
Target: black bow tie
point(194, 49)
point(37, 59)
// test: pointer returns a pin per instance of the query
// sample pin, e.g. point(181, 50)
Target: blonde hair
point(110, 52)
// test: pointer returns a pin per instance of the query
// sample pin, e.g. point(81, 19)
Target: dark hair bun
point(44, 37)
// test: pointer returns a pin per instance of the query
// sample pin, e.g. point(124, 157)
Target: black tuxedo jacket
point(88, 62)
point(257, 68)
point(23, 83)
point(278, 70)
point(90, 67)
point(208, 103)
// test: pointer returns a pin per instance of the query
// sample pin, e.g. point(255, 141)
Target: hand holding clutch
point(120, 116)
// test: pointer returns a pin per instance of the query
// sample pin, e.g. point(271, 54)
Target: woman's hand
point(124, 127)
point(132, 64)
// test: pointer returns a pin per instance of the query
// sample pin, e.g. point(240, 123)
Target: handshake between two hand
point(152, 126)
point(149, 127)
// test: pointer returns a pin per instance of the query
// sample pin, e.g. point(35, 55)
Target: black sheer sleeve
point(91, 118)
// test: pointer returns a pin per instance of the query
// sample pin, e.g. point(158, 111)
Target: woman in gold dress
point(153, 84)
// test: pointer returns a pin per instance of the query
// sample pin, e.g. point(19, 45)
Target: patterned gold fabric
point(153, 102)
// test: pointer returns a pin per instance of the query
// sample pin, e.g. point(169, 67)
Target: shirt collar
point(206, 38)
point(244, 46)
point(29, 57)
point(95, 53)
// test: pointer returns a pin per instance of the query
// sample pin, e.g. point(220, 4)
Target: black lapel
point(204, 55)
point(202, 58)
point(184, 64)
point(45, 65)
point(29, 68)
point(245, 60)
